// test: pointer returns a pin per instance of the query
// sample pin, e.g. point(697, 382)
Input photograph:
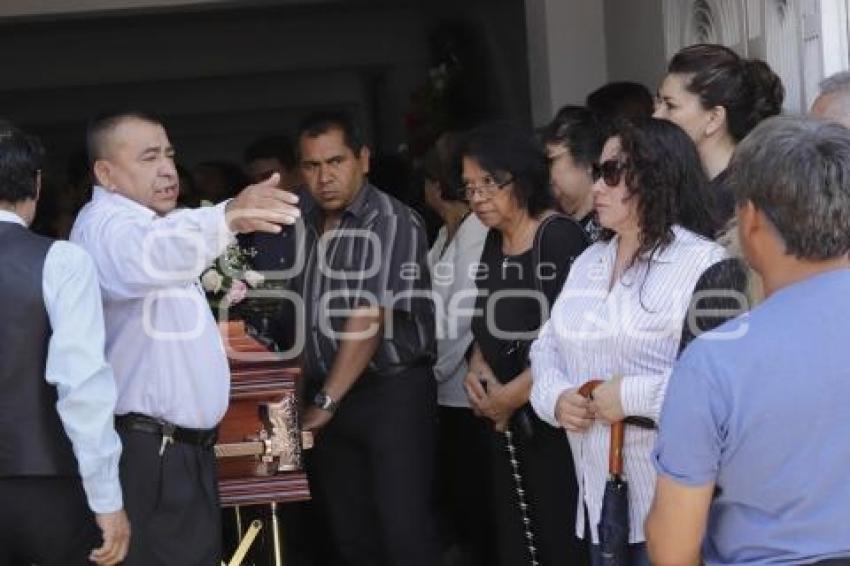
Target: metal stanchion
point(278, 547)
point(238, 514)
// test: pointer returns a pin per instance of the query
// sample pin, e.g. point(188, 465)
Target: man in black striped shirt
point(368, 353)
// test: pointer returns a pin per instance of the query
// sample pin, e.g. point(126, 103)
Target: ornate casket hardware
point(278, 445)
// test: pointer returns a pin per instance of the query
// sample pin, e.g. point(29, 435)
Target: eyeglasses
point(486, 189)
point(611, 171)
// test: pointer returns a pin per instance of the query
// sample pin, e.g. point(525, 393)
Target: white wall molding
point(703, 21)
point(788, 34)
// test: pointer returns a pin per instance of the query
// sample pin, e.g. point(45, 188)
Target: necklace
point(506, 256)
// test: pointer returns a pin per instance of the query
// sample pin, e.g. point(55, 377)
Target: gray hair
point(797, 171)
point(839, 82)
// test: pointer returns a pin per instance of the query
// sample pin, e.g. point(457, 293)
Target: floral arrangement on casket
point(236, 292)
point(227, 280)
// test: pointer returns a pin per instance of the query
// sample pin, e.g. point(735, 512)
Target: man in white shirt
point(59, 451)
point(162, 340)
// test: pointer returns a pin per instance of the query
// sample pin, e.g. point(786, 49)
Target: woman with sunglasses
point(718, 98)
point(619, 316)
point(527, 254)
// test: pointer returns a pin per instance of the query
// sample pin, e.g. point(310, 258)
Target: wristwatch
point(325, 402)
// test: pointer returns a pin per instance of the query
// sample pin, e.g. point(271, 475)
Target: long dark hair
point(747, 88)
point(665, 173)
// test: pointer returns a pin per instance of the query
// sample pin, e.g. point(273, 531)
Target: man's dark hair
point(21, 158)
point(320, 123)
point(507, 151)
point(433, 169)
point(102, 125)
point(797, 171)
point(580, 130)
point(622, 99)
point(272, 147)
point(231, 177)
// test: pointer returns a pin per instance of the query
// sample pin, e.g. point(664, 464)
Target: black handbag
point(519, 350)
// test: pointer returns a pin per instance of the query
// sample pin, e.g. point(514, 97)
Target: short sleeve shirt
point(759, 407)
point(377, 256)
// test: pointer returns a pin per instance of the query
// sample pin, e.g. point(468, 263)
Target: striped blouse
point(632, 330)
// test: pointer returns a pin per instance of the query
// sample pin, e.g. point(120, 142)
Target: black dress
point(543, 452)
point(723, 197)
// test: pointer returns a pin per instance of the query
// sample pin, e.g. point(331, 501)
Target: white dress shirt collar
point(9, 216)
point(668, 254)
point(115, 199)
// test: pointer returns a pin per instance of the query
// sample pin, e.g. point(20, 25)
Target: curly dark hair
point(665, 173)
point(21, 158)
point(747, 88)
point(504, 149)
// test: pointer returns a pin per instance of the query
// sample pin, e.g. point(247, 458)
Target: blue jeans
point(637, 555)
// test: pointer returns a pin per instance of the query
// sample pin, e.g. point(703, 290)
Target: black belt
point(395, 369)
point(137, 422)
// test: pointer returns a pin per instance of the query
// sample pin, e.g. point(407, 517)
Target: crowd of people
point(647, 288)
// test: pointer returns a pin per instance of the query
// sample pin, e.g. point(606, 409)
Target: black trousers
point(372, 472)
point(171, 501)
point(551, 492)
point(464, 487)
point(45, 521)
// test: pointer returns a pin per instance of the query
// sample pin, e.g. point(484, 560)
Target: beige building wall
point(567, 53)
point(575, 46)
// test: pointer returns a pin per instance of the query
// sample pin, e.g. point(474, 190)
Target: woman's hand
point(491, 399)
point(502, 402)
point(606, 402)
point(476, 393)
point(573, 411)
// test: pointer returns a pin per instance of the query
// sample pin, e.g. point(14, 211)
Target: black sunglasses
point(611, 171)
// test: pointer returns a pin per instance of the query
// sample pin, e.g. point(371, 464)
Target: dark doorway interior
point(228, 72)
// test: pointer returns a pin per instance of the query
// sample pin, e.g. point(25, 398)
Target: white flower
point(212, 281)
point(254, 279)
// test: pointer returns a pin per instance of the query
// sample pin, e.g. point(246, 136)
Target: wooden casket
point(260, 443)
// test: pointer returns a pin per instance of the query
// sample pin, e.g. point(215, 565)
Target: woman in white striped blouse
point(619, 316)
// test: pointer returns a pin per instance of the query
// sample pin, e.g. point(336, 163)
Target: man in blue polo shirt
point(753, 452)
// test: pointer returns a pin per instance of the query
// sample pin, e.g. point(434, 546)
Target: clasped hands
point(576, 413)
point(491, 399)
